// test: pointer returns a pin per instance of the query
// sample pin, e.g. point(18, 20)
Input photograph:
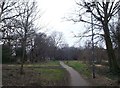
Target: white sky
point(54, 12)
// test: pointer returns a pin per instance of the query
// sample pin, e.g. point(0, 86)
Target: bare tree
point(6, 6)
point(115, 35)
point(40, 47)
point(25, 25)
point(7, 12)
point(57, 39)
point(102, 12)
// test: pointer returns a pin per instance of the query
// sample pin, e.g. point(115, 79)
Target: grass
point(51, 63)
point(43, 64)
point(80, 67)
point(103, 77)
point(51, 76)
point(43, 74)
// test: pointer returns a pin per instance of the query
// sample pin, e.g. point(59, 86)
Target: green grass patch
point(45, 74)
point(54, 76)
point(51, 63)
point(80, 67)
point(51, 74)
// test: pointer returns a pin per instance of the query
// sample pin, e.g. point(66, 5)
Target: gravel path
point(76, 78)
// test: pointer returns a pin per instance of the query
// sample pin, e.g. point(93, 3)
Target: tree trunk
point(110, 51)
point(119, 48)
point(23, 57)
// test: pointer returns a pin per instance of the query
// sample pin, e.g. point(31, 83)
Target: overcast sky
point(53, 13)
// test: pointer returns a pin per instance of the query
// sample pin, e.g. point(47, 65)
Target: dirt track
point(76, 78)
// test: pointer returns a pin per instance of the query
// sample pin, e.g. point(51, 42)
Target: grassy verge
point(43, 74)
point(80, 67)
point(103, 77)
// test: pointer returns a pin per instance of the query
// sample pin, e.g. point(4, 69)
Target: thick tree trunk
point(110, 51)
point(119, 49)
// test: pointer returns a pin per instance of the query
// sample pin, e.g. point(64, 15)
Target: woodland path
point(76, 79)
